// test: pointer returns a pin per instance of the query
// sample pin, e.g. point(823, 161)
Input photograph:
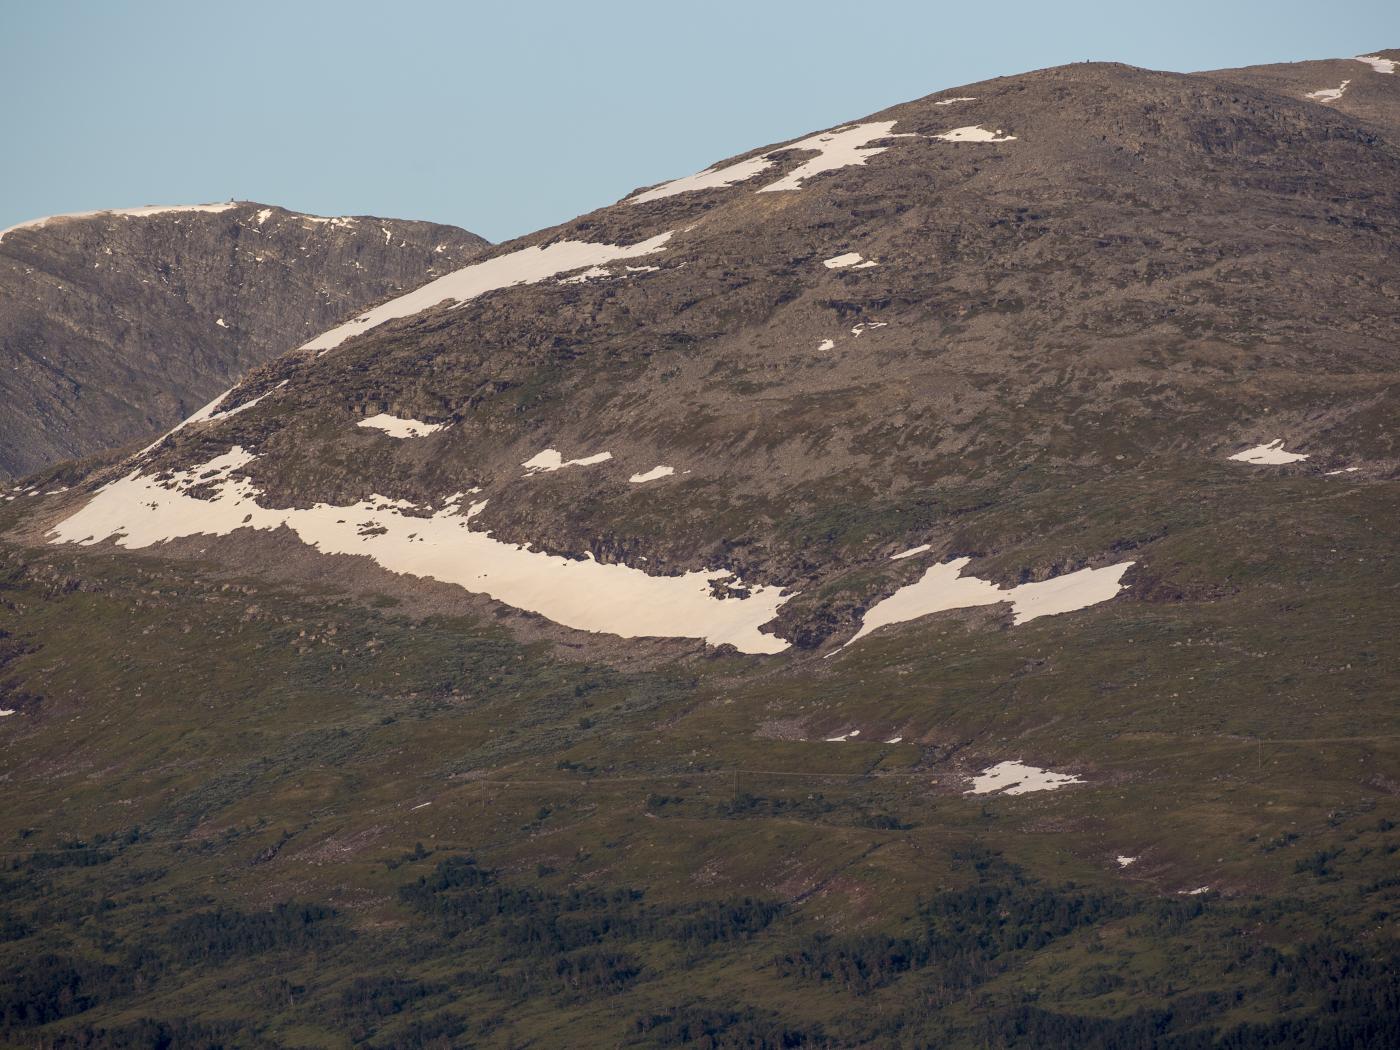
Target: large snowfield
point(138, 511)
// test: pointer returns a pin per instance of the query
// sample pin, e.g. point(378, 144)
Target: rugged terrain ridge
point(115, 325)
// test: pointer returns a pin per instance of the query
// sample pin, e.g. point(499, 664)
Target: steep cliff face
point(115, 325)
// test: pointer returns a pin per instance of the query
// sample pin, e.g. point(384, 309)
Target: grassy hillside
point(240, 812)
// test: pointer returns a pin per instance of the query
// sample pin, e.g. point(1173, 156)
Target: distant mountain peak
point(115, 324)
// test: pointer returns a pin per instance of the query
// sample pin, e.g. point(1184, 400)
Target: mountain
point(1362, 91)
point(115, 325)
point(926, 583)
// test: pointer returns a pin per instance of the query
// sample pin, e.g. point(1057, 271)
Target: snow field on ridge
point(525, 266)
point(129, 213)
point(1380, 65)
point(841, 148)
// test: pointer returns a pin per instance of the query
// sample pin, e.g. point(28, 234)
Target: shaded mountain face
point(926, 584)
point(116, 325)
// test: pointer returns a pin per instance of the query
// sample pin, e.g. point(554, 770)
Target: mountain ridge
point(118, 323)
point(1256, 127)
point(1358, 94)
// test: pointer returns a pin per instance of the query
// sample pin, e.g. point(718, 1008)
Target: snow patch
point(6, 713)
point(894, 740)
point(943, 587)
point(1017, 778)
point(550, 460)
point(843, 737)
point(652, 475)
point(950, 101)
point(130, 213)
point(975, 133)
point(1123, 861)
point(1380, 65)
point(524, 266)
point(1271, 454)
point(911, 552)
point(1328, 94)
point(396, 427)
point(1344, 470)
point(139, 511)
point(220, 323)
point(826, 344)
point(867, 326)
point(850, 259)
point(264, 215)
point(590, 274)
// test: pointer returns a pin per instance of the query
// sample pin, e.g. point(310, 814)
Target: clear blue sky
point(505, 117)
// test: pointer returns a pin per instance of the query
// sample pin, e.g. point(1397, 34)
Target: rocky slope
point(116, 325)
point(926, 584)
point(1365, 87)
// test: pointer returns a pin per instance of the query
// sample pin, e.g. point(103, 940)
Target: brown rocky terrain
point(1369, 95)
point(114, 327)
